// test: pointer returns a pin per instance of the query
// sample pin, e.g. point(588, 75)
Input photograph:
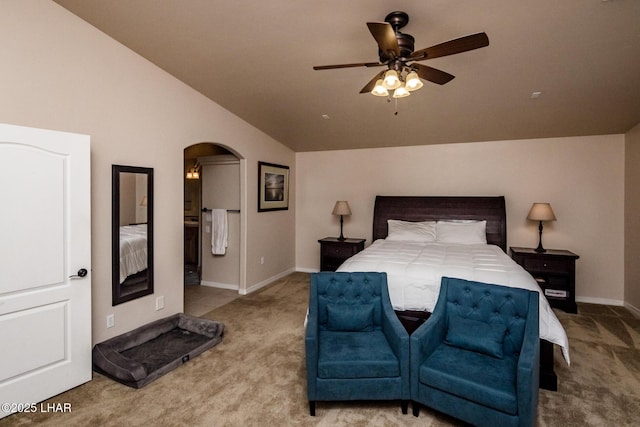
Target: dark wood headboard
point(412, 208)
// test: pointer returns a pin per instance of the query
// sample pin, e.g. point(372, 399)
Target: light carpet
point(256, 377)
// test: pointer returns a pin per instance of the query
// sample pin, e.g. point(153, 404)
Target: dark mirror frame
point(119, 293)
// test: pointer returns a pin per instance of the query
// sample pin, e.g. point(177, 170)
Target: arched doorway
point(213, 179)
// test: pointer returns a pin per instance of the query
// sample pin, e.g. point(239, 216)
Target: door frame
point(242, 285)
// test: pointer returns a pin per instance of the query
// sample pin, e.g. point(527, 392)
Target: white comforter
point(414, 271)
point(133, 250)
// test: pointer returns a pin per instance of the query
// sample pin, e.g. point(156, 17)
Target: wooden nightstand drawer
point(545, 264)
point(338, 250)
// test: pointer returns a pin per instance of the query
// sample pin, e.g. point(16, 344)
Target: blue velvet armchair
point(477, 358)
point(356, 348)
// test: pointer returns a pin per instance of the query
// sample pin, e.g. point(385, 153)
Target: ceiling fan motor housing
point(397, 19)
point(406, 42)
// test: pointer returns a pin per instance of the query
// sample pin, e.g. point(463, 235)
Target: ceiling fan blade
point(372, 83)
point(432, 74)
point(359, 64)
point(385, 37)
point(462, 44)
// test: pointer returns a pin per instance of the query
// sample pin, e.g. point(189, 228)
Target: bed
point(133, 250)
point(415, 266)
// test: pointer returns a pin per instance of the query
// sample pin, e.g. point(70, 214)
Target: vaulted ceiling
point(255, 59)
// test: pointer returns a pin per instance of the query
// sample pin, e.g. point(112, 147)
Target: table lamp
point(541, 212)
point(341, 208)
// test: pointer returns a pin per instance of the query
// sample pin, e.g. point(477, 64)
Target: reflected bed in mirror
point(131, 233)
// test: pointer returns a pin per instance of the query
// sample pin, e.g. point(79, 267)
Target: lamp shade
point(194, 172)
point(379, 89)
point(391, 80)
point(541, 212)
point(401, 92)
point(413, 82)
point(341, 208)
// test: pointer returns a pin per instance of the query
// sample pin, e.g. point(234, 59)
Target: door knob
point(81, 273)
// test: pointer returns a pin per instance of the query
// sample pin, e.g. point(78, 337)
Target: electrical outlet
point(160, 303)
point(261, 260)
point(111, 321)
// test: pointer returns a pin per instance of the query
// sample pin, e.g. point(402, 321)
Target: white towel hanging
point(219, 231)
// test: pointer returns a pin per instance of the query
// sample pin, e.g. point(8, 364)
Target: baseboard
point(601, 301)
point(633, 309)
point(267, 281)
point(253, 288)
point(219, 285)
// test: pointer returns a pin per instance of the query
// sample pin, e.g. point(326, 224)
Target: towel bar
point(228, 210)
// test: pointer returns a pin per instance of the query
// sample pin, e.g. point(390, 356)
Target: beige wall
point(632, 220)
point(60, 73)
point(582, 178)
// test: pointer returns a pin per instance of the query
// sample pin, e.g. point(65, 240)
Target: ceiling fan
point(396, 52)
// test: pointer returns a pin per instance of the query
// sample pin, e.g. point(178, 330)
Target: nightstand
point(555, 272)
point(334, 251)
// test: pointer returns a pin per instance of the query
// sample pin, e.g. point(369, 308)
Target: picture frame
point(273, 187)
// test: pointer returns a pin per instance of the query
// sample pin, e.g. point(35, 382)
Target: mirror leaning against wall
point(131, 233)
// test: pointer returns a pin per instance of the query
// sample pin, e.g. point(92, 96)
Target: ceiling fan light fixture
point(391, 80)
point(413, 82)
point(379, 89)
point(401, 92)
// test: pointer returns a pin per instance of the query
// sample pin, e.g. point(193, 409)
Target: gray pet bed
point(141, 356)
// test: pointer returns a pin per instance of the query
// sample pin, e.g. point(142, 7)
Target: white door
point(45, 242)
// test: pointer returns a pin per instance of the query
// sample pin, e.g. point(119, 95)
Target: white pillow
point(424, 231)
point(468, 232)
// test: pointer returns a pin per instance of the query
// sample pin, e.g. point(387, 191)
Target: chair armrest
point(394, 331)
point(428, 336)
point(528, 370)
point(311, 347)
point(424, 341)
point(398, 339)
point(431, 333)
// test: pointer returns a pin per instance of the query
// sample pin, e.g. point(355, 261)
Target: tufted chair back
point(491, 304)
point(358, 291)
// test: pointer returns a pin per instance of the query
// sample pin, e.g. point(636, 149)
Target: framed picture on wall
point(273, 187)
